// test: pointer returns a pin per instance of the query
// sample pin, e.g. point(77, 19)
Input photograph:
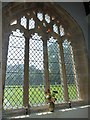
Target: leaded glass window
point(40, 16)
point(24, 22)
point(70, 71)
point(47, 18)
point(54, 63)
point(40, 29)
point(13, 92)
point(31, 24)
point(36, 70)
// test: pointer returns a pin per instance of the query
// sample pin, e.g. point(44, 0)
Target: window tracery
point(36, 61)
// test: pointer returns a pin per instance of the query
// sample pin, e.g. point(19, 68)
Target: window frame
point(27, 37)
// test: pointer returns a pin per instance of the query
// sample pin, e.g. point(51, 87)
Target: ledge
point(75, 112)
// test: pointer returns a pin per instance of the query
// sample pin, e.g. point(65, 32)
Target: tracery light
point(13, 22)
point(62, 33)
point(40, 16)
point(31, 24)
point(24, 22)
point(47, 18)
point(55, 28)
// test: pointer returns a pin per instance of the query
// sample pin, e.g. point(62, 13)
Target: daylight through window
point(44, 62)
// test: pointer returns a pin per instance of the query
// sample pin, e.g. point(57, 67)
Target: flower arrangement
point(50, 98)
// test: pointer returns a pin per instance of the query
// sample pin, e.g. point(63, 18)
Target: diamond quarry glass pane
point(13, 92)
point(55, 73)
point(55, 28)
point(70, 71)
point(40, 16)
point(36, 71)
point(24, 22)
point(47, 18)
point(31, 24)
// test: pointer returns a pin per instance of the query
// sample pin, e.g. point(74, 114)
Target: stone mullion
point(26, 75)
point(64, 81)
point(46, 71)
point(26, 71)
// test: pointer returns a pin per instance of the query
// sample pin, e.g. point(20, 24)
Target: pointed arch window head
point(52, 39)
point(31, 24)
point(36, 36)
point(66, 44)
point(24, 22)
point(17, 33)
point(16, 47)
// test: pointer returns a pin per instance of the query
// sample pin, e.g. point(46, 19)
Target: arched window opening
point(71, 74)
point(40, 16)
point(13, 91)
point(36, 71)
point(47, 18)
point(31, 24)
point(43, 48)
point(55, 28)
point(62, 33)
point(24, 22)
point(54, 64)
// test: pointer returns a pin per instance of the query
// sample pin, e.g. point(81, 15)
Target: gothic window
point(43, 58)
